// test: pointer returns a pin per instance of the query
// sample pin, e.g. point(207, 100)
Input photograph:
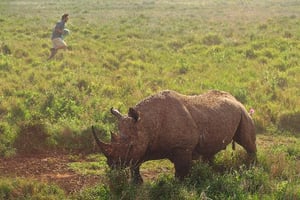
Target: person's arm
point(59, 28)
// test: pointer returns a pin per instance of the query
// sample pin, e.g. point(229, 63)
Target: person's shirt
point(60, 26)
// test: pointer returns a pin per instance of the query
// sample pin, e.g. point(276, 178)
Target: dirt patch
point(49, 169)
point(55, 168)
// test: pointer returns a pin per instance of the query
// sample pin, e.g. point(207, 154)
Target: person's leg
point(52, 54)
point(58, 43)
point(61, 44)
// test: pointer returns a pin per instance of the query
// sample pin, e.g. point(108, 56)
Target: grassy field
point(123, 51)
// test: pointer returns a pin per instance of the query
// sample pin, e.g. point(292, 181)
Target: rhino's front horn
point(105, 148)
point(116, 113)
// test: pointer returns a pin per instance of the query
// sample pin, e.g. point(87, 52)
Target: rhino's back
point(213, 107)
point(218, 115)
point(166, 120)
point(207, 121)
point(168, 99)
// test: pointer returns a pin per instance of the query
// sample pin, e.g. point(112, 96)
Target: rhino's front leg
point(136, 176)
point(182, 160)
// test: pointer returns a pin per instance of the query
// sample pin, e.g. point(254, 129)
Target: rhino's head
point(126, 147)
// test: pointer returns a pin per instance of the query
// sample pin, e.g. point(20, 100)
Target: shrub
point(7, 138)
point(250, 54)
point(293, 151)
point(280, 64)
point(211, 39)
point(68, 138)
point(176, 44)
point(5, 63)
point(240, 94)
point(255, 180)
point(5, 49)
point(200, 175)
point(28, 189)
point(290, 121)
point(287, 34)
point(119, 184)
point(32, 137)
point(226, 186)
point(166, 188)
point(98, 192)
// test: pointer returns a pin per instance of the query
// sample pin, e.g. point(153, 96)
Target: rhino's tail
point(233, 145)
point(233, 148)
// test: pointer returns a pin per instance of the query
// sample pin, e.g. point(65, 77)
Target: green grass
point(95, 165)
point(123, 51)
point(28, 189)
point(274, 176)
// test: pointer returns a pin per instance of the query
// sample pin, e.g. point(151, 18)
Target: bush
point(72, 140)
point(255, 180)
point(226, 186)
point(27, 189)
point(290, 121)
point(31, 138)
point(211, 39)
point(99, 192)
point(250, 54)
point(119, 184)
point(200, 175)
point(166, 188)
point(5, 49)
point(7, 138)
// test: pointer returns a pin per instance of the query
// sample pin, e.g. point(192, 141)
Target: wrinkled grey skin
point(179, 128)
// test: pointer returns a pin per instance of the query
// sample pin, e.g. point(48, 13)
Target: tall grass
point(121, 52)
point(28, 189)
point(274, 176)
point(219, 181)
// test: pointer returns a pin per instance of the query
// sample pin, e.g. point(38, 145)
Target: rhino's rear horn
point(113, 137)
point(134, 114)
point(116, 113)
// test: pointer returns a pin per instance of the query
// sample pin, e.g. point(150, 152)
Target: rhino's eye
point(124, 136)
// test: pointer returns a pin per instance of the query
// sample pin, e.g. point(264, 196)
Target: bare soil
point(54, 168)
point(49, 168)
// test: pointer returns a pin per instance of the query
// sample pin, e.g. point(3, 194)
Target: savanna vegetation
point(123, 51)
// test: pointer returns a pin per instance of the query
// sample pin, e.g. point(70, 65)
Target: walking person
point(57, 36)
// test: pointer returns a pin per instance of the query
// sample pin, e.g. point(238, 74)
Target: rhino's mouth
point(124, 161)
point(120, 164)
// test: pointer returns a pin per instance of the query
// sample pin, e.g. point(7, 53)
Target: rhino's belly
point(209, 147)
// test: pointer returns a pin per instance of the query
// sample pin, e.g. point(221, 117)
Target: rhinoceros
point(181, 128)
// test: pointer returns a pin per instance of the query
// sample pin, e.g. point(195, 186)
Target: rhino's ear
point(134, 114)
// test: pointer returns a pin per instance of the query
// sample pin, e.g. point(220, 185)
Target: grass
point(118, 57)
point(95, 166)
point(274, 176)
point(121, 52)
point(28, 189)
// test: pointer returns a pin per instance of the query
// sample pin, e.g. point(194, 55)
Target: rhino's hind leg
point(182, 160)
point(245, 136)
